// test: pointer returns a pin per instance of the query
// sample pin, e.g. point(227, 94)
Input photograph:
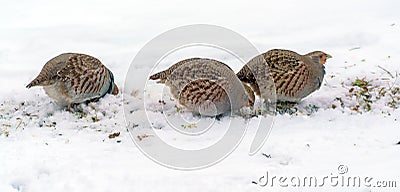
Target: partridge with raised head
point(285, 74)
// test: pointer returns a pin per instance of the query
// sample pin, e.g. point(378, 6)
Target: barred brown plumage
point(72, 78)
point(291, 75)
point(205, 86)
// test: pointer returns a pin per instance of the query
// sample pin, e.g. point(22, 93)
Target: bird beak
point(328, 56)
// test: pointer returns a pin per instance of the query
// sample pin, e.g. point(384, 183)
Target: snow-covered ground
point(45, 148)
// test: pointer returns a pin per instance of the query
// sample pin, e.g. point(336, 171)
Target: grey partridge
point(291, 75)
point(206, 86)
point(72, 78)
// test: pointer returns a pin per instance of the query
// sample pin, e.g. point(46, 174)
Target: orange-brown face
point(323, 57)
point(319, 57)
point(116, 90)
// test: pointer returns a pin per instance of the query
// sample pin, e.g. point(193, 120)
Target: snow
point(45, 148)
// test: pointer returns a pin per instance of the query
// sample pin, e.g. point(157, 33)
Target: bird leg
point(69, 107)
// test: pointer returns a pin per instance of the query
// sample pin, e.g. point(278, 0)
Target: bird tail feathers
point(162, 76)
point(38, 81)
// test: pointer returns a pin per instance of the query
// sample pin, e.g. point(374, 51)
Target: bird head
point(319, 57)
point(115, 90)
